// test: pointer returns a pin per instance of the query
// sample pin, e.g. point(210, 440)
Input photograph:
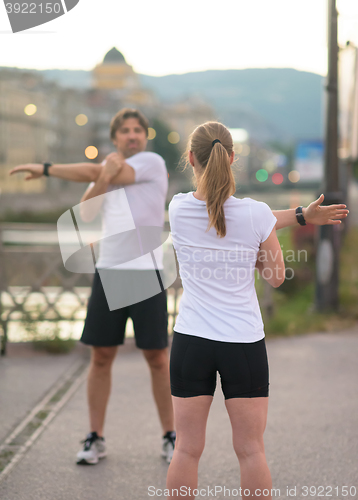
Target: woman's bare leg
point(190, 417)
point(248, 420)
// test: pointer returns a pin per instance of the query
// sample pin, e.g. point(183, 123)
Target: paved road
point(25, 376)
point(311, 437)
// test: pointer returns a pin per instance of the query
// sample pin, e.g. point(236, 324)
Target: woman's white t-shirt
point(219, 300)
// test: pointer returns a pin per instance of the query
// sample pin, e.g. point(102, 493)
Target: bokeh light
point(270, 165)
point(30, 109)
point(277, 178)
point(239, 134)
point(281, 160)
point(262, 175)
point(91, 152)
point(173, 137)
point(151, 133)
point(245, 150)
point(294, 176)
point(81, 120)
point(262, 155)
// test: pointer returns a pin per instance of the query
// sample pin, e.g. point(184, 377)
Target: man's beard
point(130, 152)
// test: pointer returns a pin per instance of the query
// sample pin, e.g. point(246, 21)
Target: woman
point(219, 240)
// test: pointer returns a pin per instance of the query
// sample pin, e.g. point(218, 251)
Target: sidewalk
point(311, 437)
point(26, 376)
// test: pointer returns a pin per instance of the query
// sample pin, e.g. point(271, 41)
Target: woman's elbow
point(278, 282)
point(275, 274)
point(278, 276)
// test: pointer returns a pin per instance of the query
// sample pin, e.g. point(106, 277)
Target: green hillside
point(270, 103)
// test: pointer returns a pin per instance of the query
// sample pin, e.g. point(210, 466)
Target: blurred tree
point(160, 144)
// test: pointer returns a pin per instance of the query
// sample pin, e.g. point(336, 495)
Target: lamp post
point(327, 259)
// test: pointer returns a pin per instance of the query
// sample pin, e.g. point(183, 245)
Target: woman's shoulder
point(179, 197)
point(256, 209)
point(239, 202)
point(250, 201)
point(180, 202)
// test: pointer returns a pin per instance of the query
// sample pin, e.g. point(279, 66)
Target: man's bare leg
point(99, 385)
point(158, 361)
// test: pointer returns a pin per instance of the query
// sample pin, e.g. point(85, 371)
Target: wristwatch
point(299, 216)
point(46, 165)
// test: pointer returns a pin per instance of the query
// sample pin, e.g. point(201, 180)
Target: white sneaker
point(168, 444)
point(94, 448)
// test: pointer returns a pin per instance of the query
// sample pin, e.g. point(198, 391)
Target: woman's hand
point(322, 215)
point(35, 170)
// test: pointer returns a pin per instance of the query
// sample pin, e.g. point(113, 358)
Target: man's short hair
point(122, 115)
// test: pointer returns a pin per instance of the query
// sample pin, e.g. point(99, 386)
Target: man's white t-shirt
point(125, 209)
point(219, 300)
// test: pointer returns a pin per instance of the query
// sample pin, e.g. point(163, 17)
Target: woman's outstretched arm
point(315, 213)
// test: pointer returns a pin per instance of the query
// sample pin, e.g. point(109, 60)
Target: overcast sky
point(159, 37)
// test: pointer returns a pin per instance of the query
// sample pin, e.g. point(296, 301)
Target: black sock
point(170, 435)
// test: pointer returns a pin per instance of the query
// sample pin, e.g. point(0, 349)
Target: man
point(145, 178)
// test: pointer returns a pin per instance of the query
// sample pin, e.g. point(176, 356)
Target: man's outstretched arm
point(315, 213)
point(77, 172)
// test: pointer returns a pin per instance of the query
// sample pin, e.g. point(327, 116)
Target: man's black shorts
point(195, 361)
point(105, 328)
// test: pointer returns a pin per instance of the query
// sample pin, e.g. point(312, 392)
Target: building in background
point(113, 73)
point(25, 116)
point(37, 124)
point(116, 77)
point(115, 85)
point(42, 121)
point(184, 116)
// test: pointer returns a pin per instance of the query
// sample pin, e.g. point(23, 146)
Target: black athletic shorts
point(105, 328)
point(194, 362)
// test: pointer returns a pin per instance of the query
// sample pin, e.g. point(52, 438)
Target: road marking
point(32, 426)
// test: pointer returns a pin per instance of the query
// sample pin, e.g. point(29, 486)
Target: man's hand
point(324, 215)
point(35, 170)
point(112, 166)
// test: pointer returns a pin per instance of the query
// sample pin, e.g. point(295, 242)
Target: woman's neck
point(198, 195)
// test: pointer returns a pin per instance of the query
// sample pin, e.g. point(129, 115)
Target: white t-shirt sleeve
point(172, 208)
point(147, 166)
point(263, 220)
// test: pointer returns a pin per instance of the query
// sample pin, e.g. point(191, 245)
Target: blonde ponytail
point(217, 181)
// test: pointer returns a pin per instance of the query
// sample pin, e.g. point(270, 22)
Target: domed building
point(114, 73)
point(117, 77)
point(113, 56)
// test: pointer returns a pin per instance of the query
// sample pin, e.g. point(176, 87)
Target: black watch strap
point(47, 165)
point(299, 216)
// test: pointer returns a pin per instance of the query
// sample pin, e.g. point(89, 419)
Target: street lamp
point(329, 239)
